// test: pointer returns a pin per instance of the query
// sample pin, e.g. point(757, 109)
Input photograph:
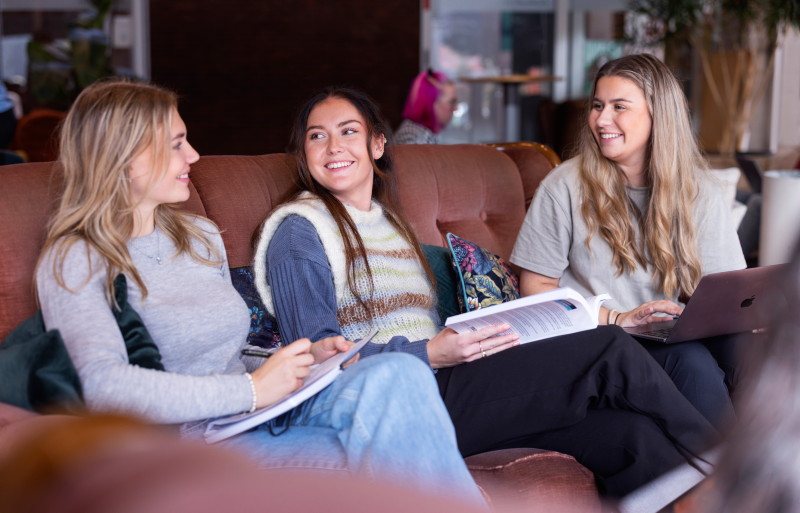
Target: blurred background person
point(429, 108)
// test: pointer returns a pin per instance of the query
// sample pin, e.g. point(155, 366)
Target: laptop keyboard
point(659, 333)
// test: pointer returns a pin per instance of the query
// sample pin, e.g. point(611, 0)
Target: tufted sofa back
point(474, 191)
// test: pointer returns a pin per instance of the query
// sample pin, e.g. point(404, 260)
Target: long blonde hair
point(669, 242)
point(108, 126)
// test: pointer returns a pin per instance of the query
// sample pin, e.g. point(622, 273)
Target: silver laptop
point(723, 303)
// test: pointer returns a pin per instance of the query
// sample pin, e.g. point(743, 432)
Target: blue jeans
point(382, 418)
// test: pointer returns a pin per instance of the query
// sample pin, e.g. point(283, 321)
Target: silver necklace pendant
point(157, 256)
point(158, 248)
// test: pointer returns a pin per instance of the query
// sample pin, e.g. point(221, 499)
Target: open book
point(549, 314)
point(321, 376)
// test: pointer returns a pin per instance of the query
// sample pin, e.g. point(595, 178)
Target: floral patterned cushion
point(263, 326)
point(485, 279)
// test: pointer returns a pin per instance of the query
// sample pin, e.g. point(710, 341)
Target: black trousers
point(596, 395)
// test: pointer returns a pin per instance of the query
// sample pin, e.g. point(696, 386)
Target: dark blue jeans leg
point(726, 350)
point(699, 376)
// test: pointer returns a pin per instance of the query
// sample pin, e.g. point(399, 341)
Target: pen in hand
point(263, 353)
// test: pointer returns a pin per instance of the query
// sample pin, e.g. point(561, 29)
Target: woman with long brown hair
point(636, 214)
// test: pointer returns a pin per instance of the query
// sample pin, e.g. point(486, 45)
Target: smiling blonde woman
point(636, 214)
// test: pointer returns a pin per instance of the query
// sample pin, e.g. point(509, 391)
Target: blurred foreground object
point(760, 469)
point(109, 463)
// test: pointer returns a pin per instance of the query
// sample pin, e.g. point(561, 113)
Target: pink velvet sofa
point(478, 192)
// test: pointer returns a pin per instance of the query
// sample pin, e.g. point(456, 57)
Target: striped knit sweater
point(402, 301)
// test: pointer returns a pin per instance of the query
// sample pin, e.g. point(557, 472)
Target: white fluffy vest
point(402, 301)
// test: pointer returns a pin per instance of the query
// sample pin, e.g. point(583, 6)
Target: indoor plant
point(58, 71)
point(735, 42)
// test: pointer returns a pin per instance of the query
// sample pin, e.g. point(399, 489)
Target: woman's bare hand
point(325, 348)
point(283, 372)
point(646, 313)
point(449, 348)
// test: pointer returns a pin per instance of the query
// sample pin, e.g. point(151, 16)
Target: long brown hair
point(383, 185)
point(108, 126)
point(669, 242)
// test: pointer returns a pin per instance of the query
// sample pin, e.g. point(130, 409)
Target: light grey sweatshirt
point(195, 316)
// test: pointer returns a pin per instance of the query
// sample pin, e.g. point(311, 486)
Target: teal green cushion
point(441, 263)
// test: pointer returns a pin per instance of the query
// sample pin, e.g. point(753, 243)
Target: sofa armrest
point(534, 480)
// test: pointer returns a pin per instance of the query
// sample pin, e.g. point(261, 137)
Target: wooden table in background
point(510, 85)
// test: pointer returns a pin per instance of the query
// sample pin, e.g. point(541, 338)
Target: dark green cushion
point(36, 370)
point(441, 263)
point(142, 351)
point(37, 373)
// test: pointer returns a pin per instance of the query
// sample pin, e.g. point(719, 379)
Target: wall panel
point(243, 67)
